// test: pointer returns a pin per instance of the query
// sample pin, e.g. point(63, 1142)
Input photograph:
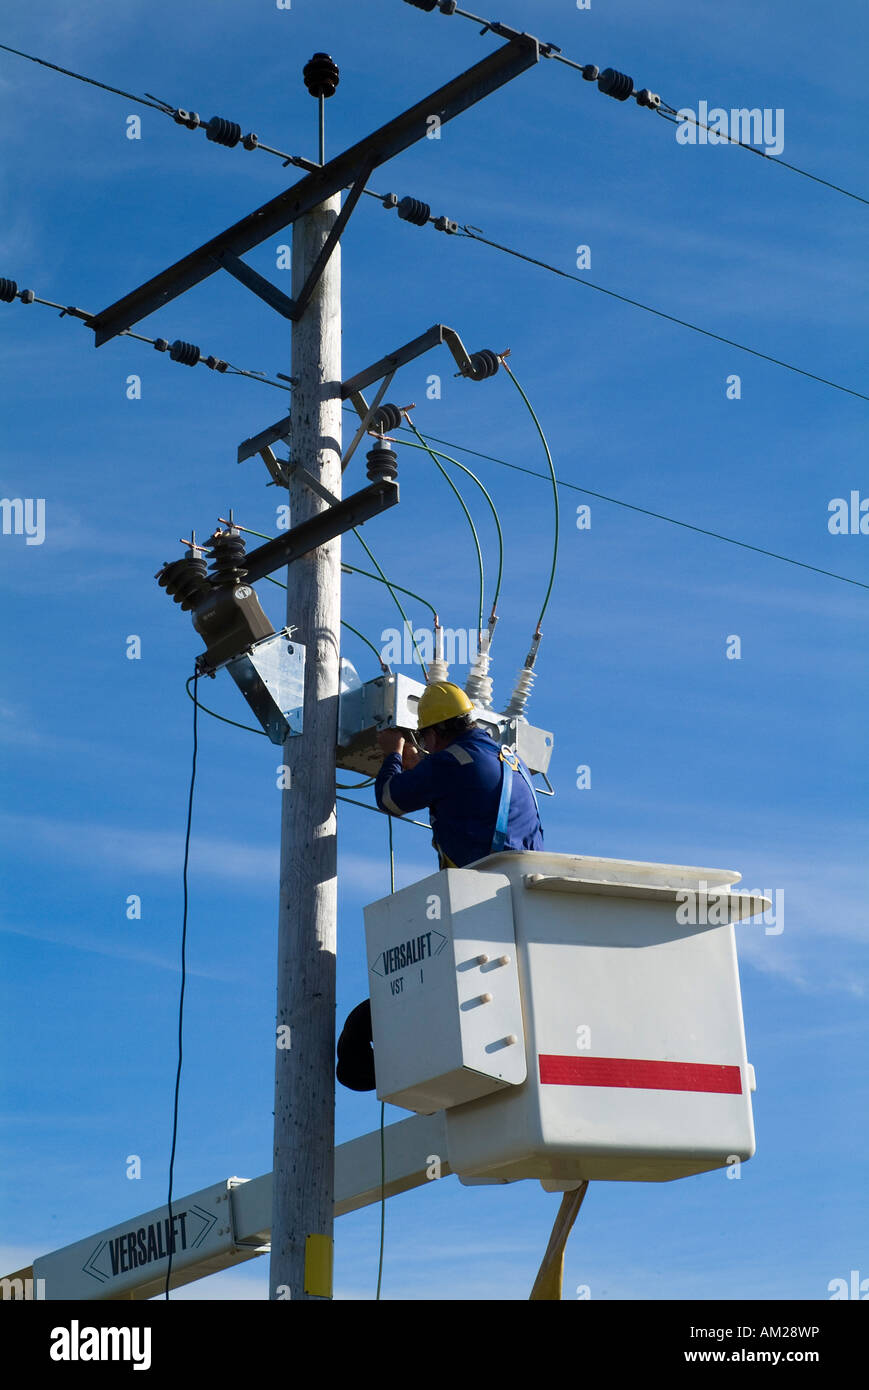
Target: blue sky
point(754, 764)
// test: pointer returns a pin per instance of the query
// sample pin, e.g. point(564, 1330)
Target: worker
point(480, 799)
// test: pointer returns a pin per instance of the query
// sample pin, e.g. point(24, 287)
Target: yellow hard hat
point(440, 702)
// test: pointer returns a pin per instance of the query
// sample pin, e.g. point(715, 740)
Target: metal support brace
point(333, 238)
point(277, 468)
point(367, 414)
point(260, 286)
point(257, 442)
point(296, 470)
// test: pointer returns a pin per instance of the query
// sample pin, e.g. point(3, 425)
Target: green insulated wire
point(461, 501)
point(390, 584)
point(247, 727)
point(396, 598)
point(554, 490)
point(436, 454)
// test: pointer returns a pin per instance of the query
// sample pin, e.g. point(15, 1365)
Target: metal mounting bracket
point(436, 335)
point(296, 470)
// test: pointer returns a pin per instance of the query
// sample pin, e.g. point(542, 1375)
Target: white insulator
point(438, 671)
point(519, 699)
point(478, 686)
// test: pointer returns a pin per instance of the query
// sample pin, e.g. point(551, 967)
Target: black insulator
point(223, 132)
point(186, 581)
point(427, 5)
point(321, 75)
point(161, 344)
point(615, 84)
point(227, 558)
point(483, 364)
point(590, 72)
point(251, 141)
point(188, 353)
point(382, 463)
point(27, 296)
point(8, 290)
point(647, 98)
point(387, 417)
point(188, 118)
point(412, 210)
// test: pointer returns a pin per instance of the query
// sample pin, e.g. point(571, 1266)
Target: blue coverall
point(461, 785)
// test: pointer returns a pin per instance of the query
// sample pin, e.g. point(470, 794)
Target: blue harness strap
point(509, 764)
point(499, 839)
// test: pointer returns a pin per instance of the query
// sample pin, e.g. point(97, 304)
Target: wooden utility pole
point(303, 1192)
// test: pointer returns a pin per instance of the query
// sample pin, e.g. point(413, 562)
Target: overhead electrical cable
point(646, 511)
point(620, 87)
point(188, 354)
point(447, 225)
point(683, 117)
point(473, 234)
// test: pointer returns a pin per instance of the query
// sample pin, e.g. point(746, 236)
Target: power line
point(186, 353)
point(620, 86)
point(443, 224)
point(646, 511)
point(683, 117)
point(473, 234)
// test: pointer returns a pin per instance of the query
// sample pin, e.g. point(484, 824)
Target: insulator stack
point(385, 418)
point(519, 699)
point(321, 75)
point(223, 132)
point(8, 291)
point(186, 581)
point(483, 365)
point(382, 464)
point(227, 558)
point(478, 686)
point(188, 353)
point(415, 211)
point(615, 84)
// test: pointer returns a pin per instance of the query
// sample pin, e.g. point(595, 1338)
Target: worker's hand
point(390, 740)
point(411, 756)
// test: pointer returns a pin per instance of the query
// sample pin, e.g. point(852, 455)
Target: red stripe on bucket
point(640, 1074)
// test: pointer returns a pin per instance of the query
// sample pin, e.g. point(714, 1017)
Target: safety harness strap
point(499, 839)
